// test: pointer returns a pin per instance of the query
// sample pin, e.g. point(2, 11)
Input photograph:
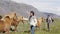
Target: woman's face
point(31, 14)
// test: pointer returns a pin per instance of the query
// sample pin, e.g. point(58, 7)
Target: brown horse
point(5, 24)
point(14, 18)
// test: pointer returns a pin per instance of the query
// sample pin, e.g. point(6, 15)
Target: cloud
point(51, 6)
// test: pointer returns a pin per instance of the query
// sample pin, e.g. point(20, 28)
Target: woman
point(33, 21)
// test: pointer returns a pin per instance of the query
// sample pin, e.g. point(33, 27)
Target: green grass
point(54, 29)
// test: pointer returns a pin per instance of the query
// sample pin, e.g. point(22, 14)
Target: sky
point(50, 6)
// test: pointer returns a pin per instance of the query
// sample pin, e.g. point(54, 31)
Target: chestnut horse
point(5, 24)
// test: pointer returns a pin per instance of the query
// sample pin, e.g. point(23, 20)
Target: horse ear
point(0, 17)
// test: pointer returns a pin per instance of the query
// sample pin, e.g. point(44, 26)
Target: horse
point(5, 25)
point(14, 18)
point(39, 22)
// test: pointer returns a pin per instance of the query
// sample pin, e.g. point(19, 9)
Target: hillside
point(20, 8)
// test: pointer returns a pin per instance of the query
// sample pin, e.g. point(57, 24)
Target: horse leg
point(39, 27)
point(3, 32)
point(36, 27)
point(7, 30)
point(15, 28)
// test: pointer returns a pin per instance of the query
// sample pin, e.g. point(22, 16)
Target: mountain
point(21, 9)
point(53, 15)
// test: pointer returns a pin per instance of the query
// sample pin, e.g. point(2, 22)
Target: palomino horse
point(39, 22)
point(5, 24)
point(22, 19)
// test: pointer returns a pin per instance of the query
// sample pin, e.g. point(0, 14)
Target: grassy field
point(54, 29)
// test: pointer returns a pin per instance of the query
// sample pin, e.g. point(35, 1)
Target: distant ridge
point(21, 9)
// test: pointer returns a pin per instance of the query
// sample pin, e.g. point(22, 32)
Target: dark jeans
point(48, 26)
